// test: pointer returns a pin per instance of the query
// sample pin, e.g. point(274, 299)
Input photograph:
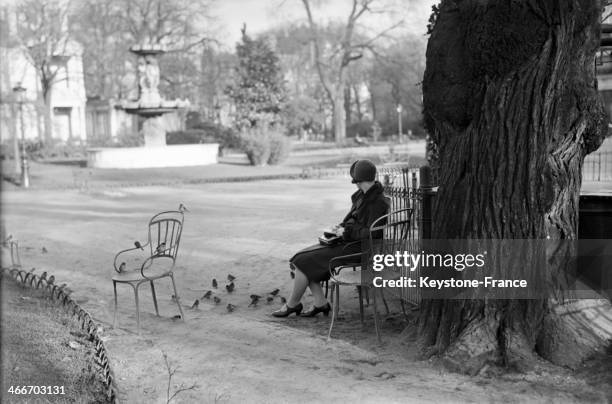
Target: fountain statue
point(151, 107)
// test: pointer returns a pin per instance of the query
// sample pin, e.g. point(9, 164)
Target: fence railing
point(61, 295)
point(597, 167)
point(402, 186)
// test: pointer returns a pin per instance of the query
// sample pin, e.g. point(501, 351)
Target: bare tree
point(42, 27)
point(332, 63)
point(175, 24)
point(98, 25)
point(107, 28)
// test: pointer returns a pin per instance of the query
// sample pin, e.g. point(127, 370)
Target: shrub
point(265, 145)
point(361, 128)
point(207, 132)
point(55, 149)
point(280, 146)
point(256, 145)
point(189, 136)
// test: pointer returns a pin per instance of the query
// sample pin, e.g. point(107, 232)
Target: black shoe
point(316, 310)
point(286, 310)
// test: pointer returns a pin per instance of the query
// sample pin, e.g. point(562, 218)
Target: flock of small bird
point(230, 287)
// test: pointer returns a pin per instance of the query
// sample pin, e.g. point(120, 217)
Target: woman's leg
point(317, 294)
point(299, 287)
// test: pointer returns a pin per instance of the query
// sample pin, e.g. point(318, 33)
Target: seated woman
point(312, 264)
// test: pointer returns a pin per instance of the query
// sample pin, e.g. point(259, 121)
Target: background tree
point(258, 92)
point(332, 63)
point(98, 25)
point(510, 99)
point(43, 31)
point(394, 77)
point(107, 29)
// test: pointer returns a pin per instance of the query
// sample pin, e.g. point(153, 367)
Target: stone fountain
point(151, 107)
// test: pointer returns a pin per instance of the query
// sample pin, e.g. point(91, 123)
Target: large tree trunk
point(510, 100)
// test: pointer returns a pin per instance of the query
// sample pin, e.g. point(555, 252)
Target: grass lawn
point(36, 350)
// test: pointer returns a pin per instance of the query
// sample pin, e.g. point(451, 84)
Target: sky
point(260, 15)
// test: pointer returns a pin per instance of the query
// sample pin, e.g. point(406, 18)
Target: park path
point(249, 230)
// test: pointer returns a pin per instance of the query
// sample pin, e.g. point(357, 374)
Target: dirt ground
point(249, 230)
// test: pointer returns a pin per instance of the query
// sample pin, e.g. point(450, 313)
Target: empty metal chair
point(154, 260)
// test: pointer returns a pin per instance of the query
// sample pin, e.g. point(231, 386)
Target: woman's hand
point(339, 230)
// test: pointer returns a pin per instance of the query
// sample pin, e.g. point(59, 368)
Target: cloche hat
point(363, 170)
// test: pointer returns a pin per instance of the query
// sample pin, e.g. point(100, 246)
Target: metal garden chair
point(388, 234)
point(154, 260)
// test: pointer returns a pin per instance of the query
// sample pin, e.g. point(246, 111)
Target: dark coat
point(365, 210)
point(313, 261)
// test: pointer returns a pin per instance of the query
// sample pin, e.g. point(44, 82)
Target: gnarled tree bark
point(510, 100)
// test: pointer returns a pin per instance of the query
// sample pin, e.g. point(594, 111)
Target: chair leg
point(367, 296)
point(404, 308)
point(137, 307)
point(326, 288)
point(154, 298)
point(360, 291)
point(376, 319)
point(178, 300)
point(115, 314)
point(334, 309)
point(384, 301)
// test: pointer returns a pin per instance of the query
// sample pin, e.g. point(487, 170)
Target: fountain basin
point(153, 156)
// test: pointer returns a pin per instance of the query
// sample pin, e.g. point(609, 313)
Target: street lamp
point(25, 176)
point(399, 120)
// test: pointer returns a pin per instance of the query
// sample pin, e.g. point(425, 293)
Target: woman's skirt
point(313, 261)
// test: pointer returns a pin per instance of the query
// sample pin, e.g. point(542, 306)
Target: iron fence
point(61, 294)
point(402, 186)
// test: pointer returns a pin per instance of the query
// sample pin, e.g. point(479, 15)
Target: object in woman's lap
point(329, 239)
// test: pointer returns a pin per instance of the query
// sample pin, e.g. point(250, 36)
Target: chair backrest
point(165, 230)
point(391, 232)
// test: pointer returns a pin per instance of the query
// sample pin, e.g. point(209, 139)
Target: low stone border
point(61, 294)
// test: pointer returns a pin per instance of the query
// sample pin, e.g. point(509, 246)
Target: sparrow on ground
point(195, 304)
point(254, 300)
point(283, 300)
point(269, 299)
point(230, 287)
point(274, 292)
point(231, 278)
point(230, 307)
point(44, 250)
point(216, 300)
point(207, 295)
point(214, 283)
